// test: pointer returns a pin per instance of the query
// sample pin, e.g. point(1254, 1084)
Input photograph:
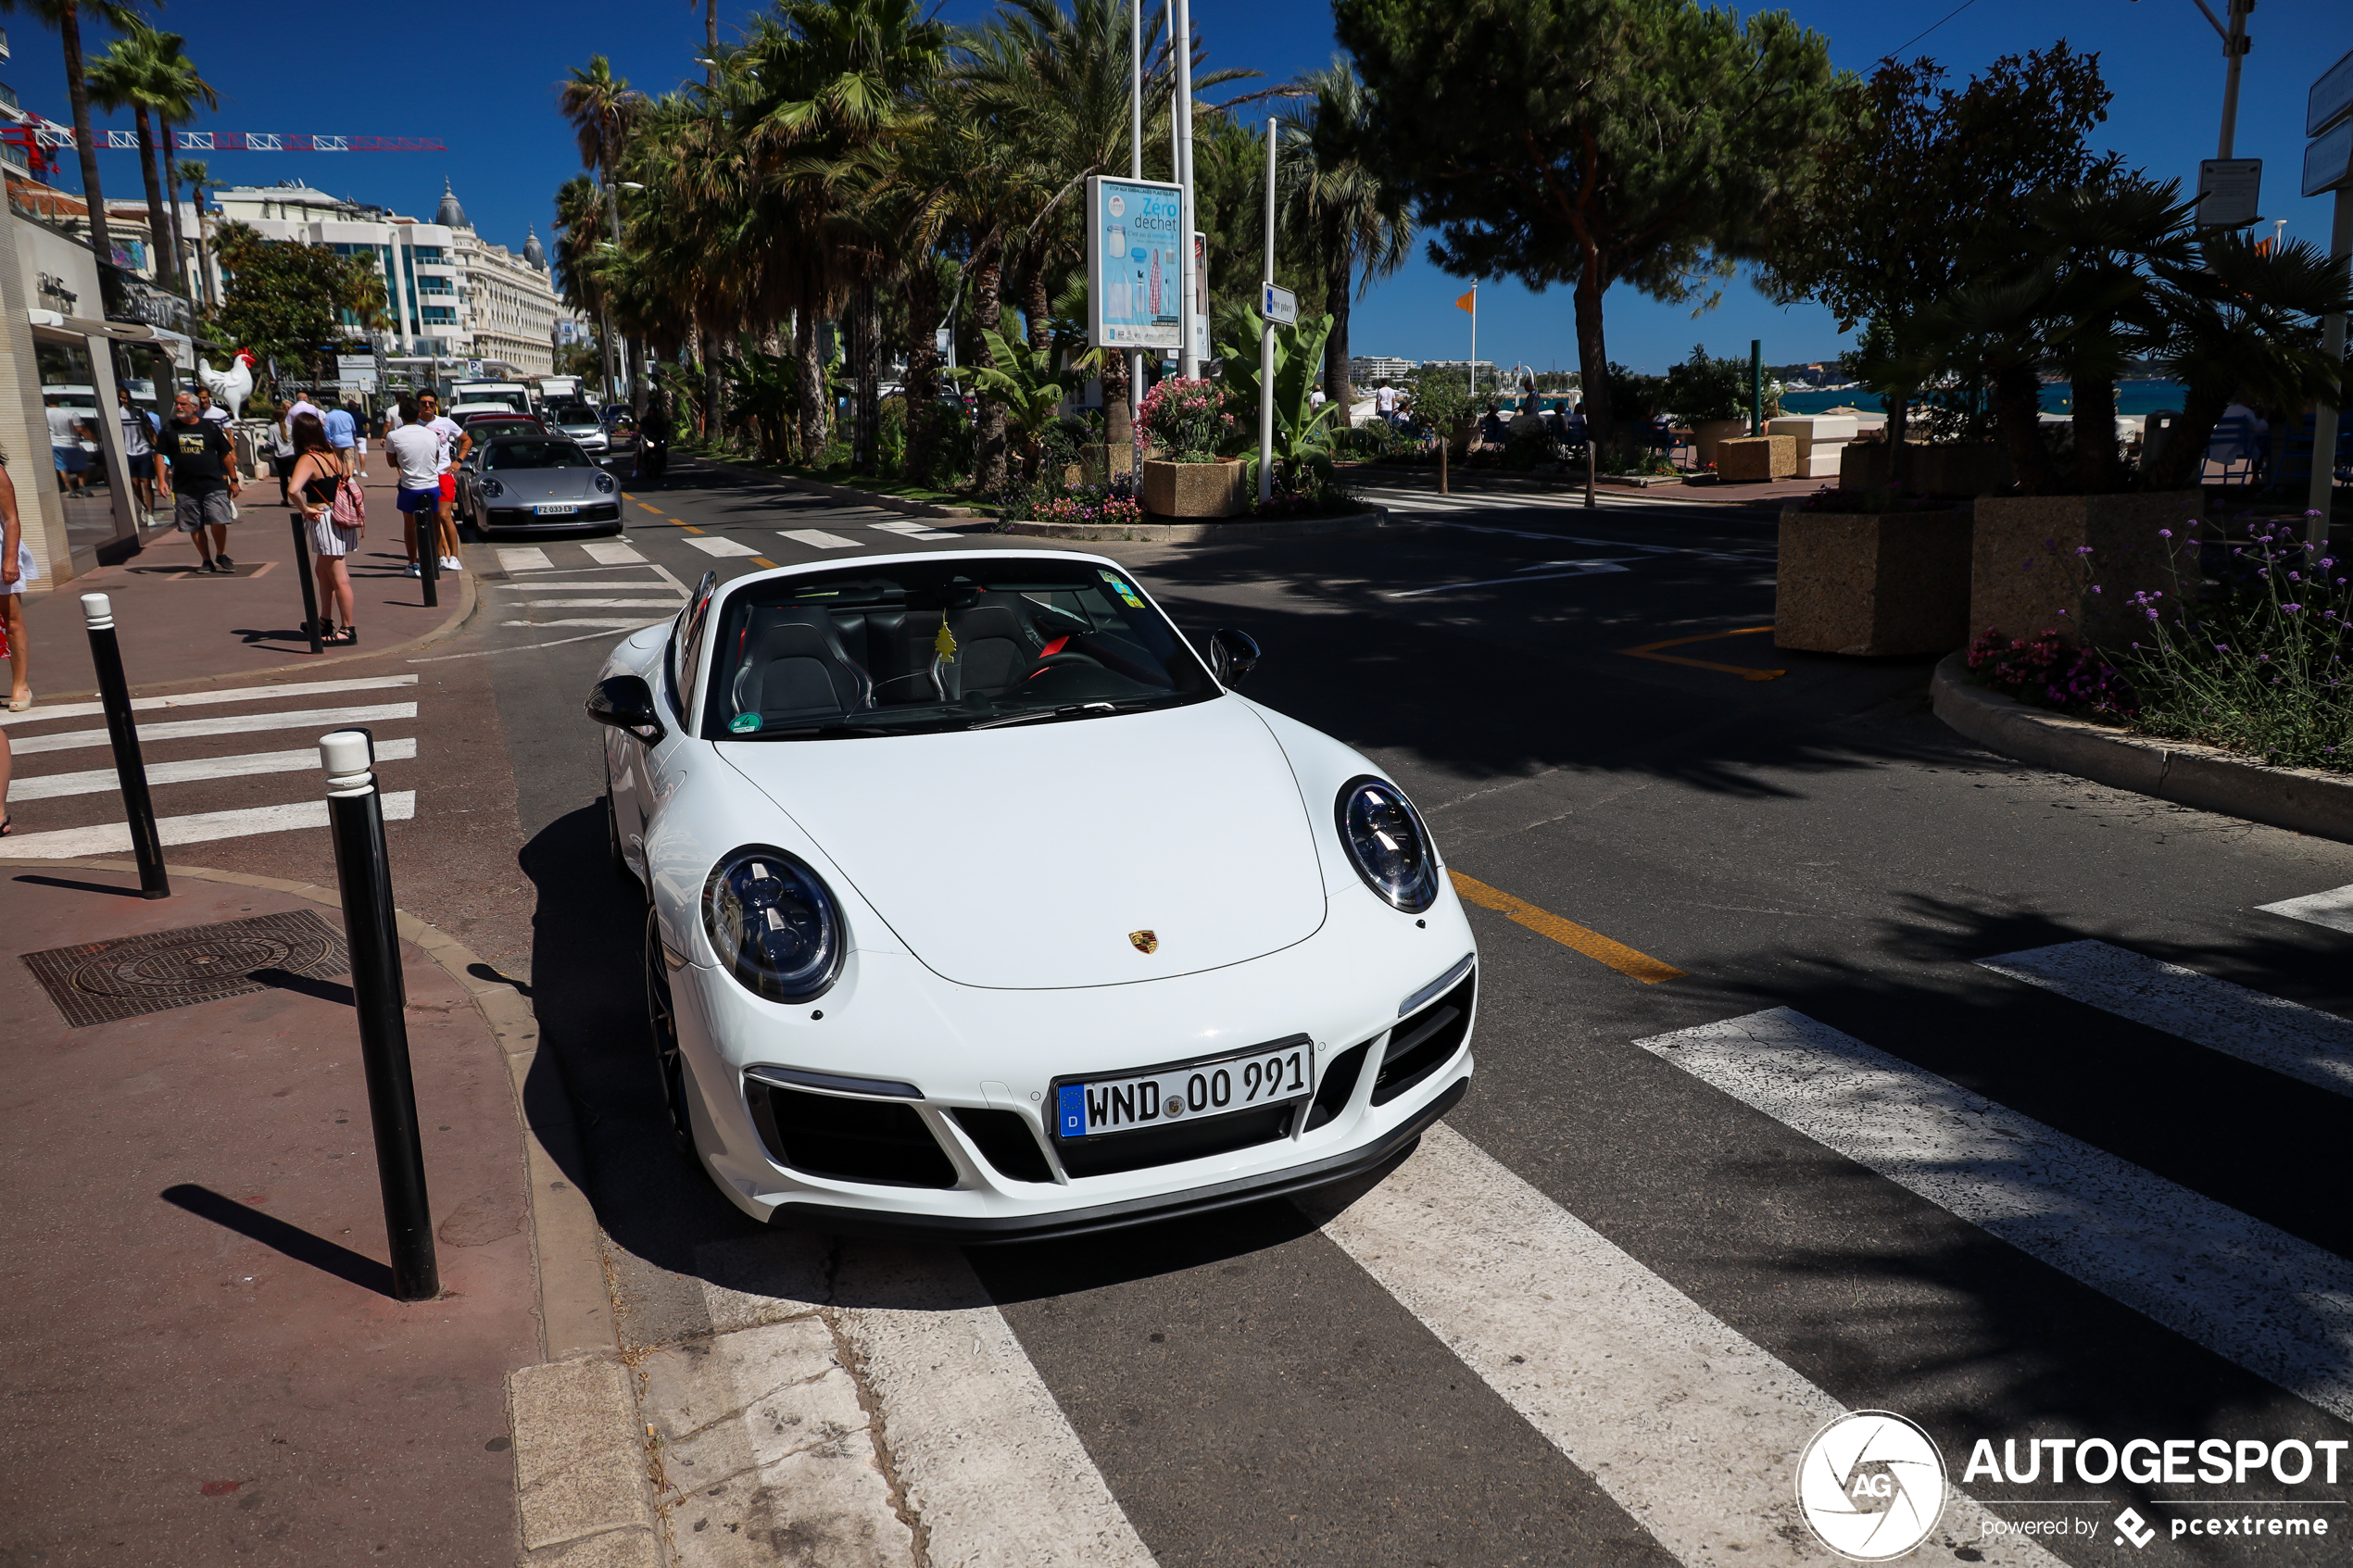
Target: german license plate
point(1277, 1072)
point(556, 511)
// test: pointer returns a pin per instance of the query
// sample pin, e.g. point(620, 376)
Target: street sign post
point(1280, 305)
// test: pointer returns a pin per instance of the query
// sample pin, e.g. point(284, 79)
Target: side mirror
point(625, 702)
point(1232, 654)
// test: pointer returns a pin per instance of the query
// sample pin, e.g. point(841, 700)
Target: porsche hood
point(1084, 852)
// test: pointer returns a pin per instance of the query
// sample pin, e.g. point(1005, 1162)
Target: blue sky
point(486, 89)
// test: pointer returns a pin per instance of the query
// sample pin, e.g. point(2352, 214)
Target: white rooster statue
point(231, 390)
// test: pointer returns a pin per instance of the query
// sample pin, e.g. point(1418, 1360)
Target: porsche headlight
point(1386, 839)
point(605, 485)
point(491, 487)
point(773, 924)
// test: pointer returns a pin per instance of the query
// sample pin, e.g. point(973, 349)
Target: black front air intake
point(1006, 1142)
point(881, 1142)
point(1425, 1042)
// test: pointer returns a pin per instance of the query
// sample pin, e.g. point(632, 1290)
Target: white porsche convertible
point(982, 910)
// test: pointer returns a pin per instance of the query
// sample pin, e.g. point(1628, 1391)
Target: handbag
point(351, 505)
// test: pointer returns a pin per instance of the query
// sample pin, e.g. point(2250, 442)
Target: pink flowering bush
point(1096, 508)
point(1187, 420)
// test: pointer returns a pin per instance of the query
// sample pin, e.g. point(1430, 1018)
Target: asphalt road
point(1789, 832)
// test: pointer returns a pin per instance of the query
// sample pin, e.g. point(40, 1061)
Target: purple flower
point(2165, 534)
point(2291, 609)
point(2152, 614)
point(2222, 647)
point(2082, 549)
point(2095, 587)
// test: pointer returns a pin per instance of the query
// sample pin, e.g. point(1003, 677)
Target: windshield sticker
point(1122, 589)
point(744, 723)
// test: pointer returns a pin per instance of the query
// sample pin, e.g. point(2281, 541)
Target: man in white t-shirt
point(207, 410)
point(416, 452)
point(455, 443)
point(1385, 403)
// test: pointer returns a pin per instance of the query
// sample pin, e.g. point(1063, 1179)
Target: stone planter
point(1195, 489)
point(2026, 577)
point(1707, 435)
point(1820, 439)
point(1971, 469)
point(1872, 582)
point(1755, 458)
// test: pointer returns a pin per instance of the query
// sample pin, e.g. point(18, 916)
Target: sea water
point(2131, 397)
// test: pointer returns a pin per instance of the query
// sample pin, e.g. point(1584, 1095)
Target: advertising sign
point(1132, 229)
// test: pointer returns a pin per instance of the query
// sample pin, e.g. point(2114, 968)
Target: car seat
point(794, 664)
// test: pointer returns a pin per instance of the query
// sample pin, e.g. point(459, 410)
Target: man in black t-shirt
point(204, 479)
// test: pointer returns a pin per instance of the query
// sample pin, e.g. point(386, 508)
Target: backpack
point(351, 505)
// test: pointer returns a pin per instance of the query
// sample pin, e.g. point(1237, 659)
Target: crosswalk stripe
point(986, 1460)
point(204, 699)
point(228, 725)
point(523, 558)
point(2277, 1306)
point(607, 552)
point(607, 623)
point(100, 780)
point(601, 604)
point(1690, 1428)
point(201, 827)
point(911, 530)
point(712, 544)
point(2299, 1042)
point(2333, 909)
point(817, 538)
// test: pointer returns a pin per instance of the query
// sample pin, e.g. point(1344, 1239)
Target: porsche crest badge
point(1145, 941)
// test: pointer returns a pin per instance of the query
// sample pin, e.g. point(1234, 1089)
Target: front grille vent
point(881, 1142)
point(1109, 1153)
point(1422, 1043)
point(1006, 1142)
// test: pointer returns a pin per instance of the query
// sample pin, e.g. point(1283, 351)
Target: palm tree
point(65, 17)
point(1358, 222)
point(178, 89)
point(837, 87)
point(198, 174)
point(127, 76)
point(600, 107)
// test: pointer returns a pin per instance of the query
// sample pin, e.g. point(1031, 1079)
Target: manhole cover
point(102, 981)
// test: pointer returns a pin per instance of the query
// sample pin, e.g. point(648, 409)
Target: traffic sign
point(2331, 97)
point(2228, 192)
point(1279, 305)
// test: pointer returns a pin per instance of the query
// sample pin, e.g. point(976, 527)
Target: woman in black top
point(318, 471)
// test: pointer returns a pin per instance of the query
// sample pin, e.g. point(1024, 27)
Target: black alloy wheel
point(663, 1020)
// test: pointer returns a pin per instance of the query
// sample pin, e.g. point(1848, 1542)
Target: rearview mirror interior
point(625, 702)
point(1232, 654)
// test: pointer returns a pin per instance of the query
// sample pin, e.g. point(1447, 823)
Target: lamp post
point(1265, 337)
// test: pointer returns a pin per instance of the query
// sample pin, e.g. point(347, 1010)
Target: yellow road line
point(1650, 650)
point(1567, 933)
point(763, 563)
point(648, 506)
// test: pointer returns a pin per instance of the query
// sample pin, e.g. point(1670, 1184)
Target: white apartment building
point(449, 291)
point(1371, 370)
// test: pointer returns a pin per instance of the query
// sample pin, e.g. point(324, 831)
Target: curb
point(468, 599)
point(843, 492)
point(2208, 778)
point(580, 1469)
point(1206, 533)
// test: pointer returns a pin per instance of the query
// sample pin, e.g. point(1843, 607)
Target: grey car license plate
point(1274, 1073)
point(563, 510)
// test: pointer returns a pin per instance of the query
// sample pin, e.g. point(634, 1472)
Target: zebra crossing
point(582, 584)
point(183, 752)
point(1689, 1425)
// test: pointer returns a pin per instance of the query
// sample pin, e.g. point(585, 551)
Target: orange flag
point(1468, 302)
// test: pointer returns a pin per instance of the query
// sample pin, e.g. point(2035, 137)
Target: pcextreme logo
point(1871, 1485)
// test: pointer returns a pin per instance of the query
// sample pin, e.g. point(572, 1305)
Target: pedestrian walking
point(65, 445)
point(343, 434)
point(205, 481)
point(209, 411)
point(1385, 403)
point(454, 446)
point(138, 453)
point(16, 570)
point(318, 482)
point(416, 453)
point(353, 406)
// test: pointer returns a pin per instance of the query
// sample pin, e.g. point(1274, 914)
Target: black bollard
point(429, 555)
point(113, 694)
point(355, 820)
point(309, 589)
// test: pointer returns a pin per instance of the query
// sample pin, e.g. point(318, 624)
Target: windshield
point(506, 455)
point(575, 414)
point(962, 644)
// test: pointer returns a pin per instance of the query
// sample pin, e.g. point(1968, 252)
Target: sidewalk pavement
point(211, 1367)
point(177, 624)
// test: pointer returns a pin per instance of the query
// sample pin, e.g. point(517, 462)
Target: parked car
point(1232, 967)
point(535, 480)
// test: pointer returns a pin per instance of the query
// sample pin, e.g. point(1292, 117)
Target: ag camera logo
point(1871, 1485)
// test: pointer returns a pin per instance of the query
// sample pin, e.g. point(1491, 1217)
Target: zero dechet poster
point(1132, 262)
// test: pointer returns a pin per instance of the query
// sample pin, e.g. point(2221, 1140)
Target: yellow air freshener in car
point(944, 645)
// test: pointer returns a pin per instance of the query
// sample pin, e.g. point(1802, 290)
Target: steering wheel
point(1051, 660)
